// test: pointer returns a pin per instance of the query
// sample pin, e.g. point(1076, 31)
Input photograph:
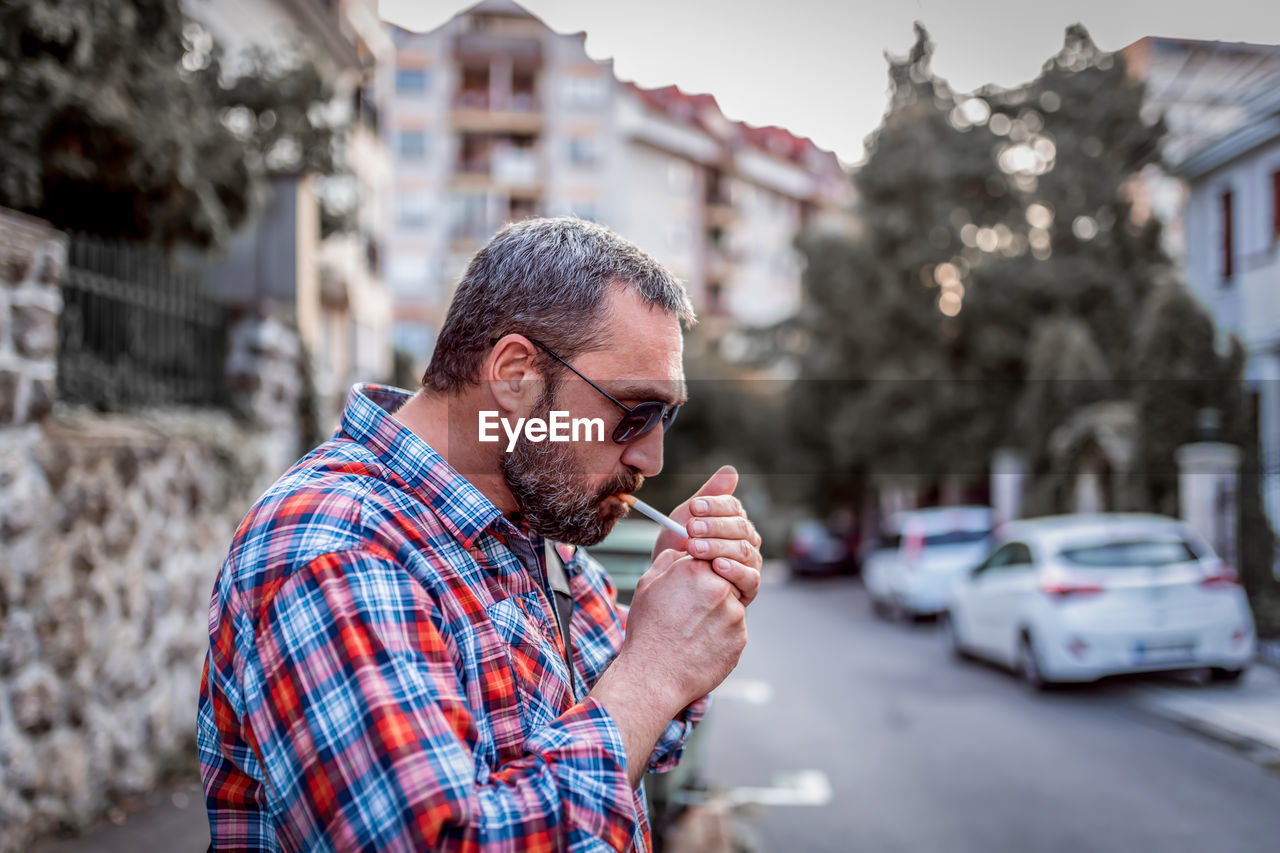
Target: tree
point(978, 215)
point(119, 118)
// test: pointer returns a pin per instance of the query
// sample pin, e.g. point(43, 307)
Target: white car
point(1076, 598)
point(921, 555)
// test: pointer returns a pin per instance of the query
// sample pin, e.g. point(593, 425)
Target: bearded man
point(407, 651)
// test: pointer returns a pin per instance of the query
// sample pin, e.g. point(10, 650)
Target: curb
point(1260, 752)
point(1268, 653)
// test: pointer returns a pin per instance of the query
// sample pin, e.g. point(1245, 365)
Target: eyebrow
point(641, 392)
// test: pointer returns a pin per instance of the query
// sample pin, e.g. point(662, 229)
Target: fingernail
point(700, 547)
point(700, 506)
point(721, 564)
point(698, 528)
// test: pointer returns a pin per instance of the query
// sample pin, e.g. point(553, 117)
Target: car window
point(890, 541)
point(1009, 554)
point(1020, 555)
point(1137, 553)
point(956, 537)
point(994, 561)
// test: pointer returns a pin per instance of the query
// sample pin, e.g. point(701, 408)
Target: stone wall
point(112, 529)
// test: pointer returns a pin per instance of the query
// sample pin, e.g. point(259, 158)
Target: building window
point(411, 144)
point(412, 211)
point(411, 81)
point(584, 150)
point(585, 92)
point(407, 273)
point(1275, 205)
point(1226, 261)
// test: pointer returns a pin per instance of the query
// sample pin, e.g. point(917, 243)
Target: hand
point(719, 533)
point(685, 629)
point(685, 632)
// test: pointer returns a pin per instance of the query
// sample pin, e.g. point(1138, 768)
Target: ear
point(510, 374)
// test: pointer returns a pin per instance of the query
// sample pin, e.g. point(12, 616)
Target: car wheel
point(953, 637)
point(882, 608)
point(1222, 674)
point(1029, 665)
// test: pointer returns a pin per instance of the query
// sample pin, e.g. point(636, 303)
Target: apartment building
point(494, 117)
point(1233, 257)
point(330, 285)
point(1200, 89)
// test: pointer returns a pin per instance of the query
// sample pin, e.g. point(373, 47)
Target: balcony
point(491, 45)
point(509, 163)
point(481, 112)
point(721, 263)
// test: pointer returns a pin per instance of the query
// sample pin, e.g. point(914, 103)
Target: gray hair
point(546, 279)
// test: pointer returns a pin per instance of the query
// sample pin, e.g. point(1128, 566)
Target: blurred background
point(1000, 364)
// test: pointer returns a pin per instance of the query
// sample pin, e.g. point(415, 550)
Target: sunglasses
point(638, 420)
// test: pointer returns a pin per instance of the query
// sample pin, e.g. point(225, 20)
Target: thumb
point(722, 482)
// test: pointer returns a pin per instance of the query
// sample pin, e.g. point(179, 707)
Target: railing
point(136, 331)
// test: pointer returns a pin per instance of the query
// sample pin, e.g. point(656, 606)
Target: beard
point(547, 481)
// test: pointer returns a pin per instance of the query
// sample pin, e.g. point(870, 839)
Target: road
point(924, 753)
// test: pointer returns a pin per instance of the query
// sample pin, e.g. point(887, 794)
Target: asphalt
point(920, 752)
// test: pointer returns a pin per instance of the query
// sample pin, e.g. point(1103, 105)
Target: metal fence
point(136, 330)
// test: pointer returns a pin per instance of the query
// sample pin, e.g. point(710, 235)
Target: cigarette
point(644, 509)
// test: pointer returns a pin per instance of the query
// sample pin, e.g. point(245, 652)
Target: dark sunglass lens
point(670, 417)
point(637, 422)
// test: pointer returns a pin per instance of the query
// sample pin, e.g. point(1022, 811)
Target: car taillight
point(1062, 590)
point(1222, 577)
point(912, 549)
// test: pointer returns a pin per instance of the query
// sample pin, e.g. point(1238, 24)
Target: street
point(924, 753)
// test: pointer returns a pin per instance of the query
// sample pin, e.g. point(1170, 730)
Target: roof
point(703, 111)
point(1262, 127)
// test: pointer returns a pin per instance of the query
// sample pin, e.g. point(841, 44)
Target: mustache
point(626, 482)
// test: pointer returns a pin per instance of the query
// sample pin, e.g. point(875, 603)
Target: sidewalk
point(1245, 715)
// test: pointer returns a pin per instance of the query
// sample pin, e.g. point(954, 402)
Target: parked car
point(1076, 598)
point(815, 550)
point(921, 554)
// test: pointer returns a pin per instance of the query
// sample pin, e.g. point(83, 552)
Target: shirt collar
point(367, 419)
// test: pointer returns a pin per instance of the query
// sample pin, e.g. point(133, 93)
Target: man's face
point(565, 490)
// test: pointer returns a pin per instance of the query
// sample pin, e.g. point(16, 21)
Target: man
point(387, 668)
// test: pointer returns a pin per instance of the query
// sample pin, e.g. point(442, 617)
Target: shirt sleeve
point(363, 728)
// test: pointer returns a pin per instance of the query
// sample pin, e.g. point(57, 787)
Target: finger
point(724, 527)
point(722, 482)
point(716, 505)
point(745, 579)
point(733, 549)
point(662, 562)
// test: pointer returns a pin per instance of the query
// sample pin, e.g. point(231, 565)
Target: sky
point(817, 67)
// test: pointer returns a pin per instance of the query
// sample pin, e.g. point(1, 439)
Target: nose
point(645, 455)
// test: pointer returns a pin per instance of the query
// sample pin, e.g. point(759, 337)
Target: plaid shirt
point(384, 671)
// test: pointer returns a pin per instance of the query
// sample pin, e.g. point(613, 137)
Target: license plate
point(1144, 653)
